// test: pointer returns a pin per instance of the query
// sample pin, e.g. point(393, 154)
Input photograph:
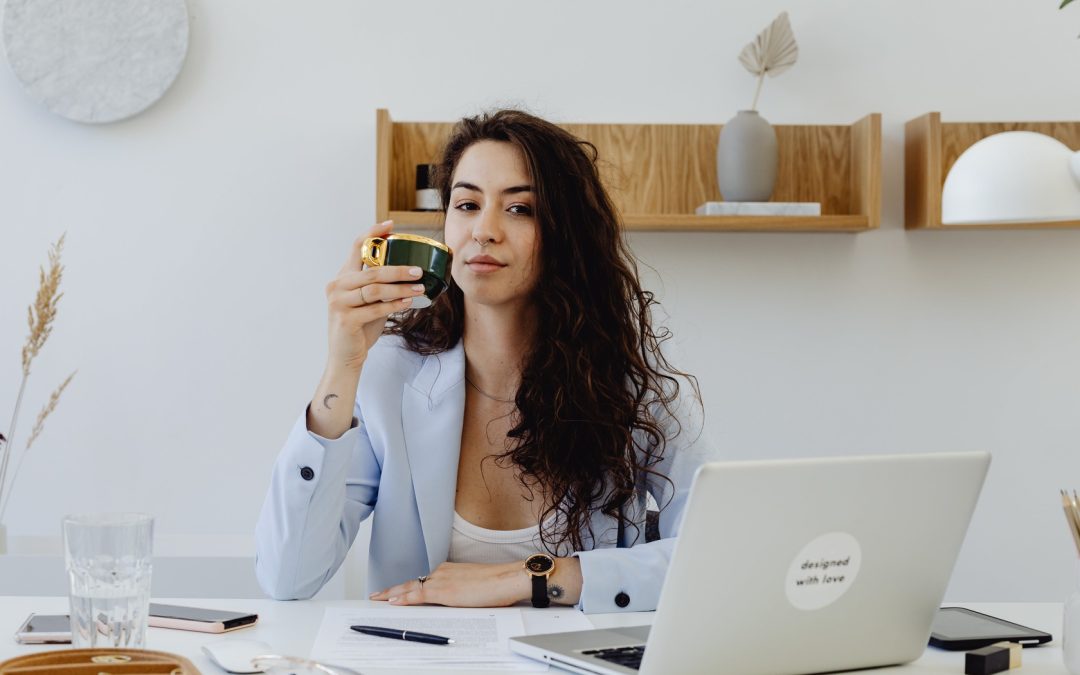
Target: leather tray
point(98, 662)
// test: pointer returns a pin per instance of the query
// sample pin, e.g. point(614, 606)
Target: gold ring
point(362, 298)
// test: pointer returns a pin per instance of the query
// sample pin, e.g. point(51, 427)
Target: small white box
point(759, 209)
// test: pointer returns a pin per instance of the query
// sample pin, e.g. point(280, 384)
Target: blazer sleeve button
point(306, 473)
point(622, 599)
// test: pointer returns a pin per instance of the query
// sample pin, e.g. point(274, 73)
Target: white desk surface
point(290, 628)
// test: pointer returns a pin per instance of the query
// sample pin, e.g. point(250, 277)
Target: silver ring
point(362, 298)
point(483, 244)
point(422, 578)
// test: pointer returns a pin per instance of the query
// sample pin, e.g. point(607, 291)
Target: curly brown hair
point(597, 395)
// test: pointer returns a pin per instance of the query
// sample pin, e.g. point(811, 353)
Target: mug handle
point(373, 251)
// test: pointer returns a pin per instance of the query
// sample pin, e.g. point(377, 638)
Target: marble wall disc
point(96, 60)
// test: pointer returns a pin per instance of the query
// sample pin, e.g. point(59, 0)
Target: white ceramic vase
point(746, 158)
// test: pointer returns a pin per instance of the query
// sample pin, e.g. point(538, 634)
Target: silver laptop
point(796, 566)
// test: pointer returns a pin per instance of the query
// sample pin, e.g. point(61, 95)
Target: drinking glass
point(108, 558)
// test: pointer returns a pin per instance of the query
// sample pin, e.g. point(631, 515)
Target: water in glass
point(109, 564)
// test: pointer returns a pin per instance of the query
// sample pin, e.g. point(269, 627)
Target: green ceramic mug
point(433, 257)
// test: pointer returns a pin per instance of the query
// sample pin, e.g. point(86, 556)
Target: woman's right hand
point(361, 299)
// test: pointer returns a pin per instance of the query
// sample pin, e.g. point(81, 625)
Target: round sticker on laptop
point(823, 571)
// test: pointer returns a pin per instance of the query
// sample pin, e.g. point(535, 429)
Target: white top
point(474, 544)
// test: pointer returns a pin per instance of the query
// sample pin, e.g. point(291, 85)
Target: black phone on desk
point(957, 628)
point(198, 619)
point(44, 629)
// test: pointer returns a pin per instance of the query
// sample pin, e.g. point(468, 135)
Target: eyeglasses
point(294, 665)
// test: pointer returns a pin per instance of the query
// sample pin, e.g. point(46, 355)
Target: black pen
point(398, 634)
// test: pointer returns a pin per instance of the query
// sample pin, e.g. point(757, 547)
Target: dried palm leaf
point(772, 52)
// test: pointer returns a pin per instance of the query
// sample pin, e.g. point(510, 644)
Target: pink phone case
point(199, 626)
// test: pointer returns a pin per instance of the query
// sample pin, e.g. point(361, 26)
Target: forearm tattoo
point(326, 400)
point(555, 592)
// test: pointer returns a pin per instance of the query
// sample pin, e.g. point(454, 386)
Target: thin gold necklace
point(485, 394)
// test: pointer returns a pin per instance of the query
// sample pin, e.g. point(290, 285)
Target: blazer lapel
point(432, 413)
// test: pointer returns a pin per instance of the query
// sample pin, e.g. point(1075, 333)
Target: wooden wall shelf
point(657, 174)
point(931, 147)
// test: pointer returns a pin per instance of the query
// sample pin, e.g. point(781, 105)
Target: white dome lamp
point(1014, 176)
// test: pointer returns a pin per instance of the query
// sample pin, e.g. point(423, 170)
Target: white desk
point(290, 628)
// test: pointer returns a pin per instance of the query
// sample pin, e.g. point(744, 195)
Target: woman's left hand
point(464, 585)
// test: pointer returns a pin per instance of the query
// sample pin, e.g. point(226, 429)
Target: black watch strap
point(540, 597)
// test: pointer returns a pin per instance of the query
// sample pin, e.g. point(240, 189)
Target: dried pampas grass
point(46, 410)
point(40, 317)
point(41, 314)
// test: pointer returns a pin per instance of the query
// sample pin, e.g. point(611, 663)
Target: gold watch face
point(539, 563)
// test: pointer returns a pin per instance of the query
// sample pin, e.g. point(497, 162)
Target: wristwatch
point(540, 566)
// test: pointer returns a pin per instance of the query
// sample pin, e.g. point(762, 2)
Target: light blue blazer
point(398, 464)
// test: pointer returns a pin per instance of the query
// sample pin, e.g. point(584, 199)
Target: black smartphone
point(198, 619)
point(957, 628)
point(44, 629)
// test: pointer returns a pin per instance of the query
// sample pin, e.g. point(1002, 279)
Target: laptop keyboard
point(628, 657)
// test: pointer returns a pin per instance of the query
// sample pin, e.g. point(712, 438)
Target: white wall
point(201, 234)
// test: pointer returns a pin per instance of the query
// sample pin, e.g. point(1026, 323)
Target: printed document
point(480, 637)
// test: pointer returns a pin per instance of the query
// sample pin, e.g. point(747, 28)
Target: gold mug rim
point(419, 239)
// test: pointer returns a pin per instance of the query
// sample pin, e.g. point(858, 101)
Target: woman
point(522, 418)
